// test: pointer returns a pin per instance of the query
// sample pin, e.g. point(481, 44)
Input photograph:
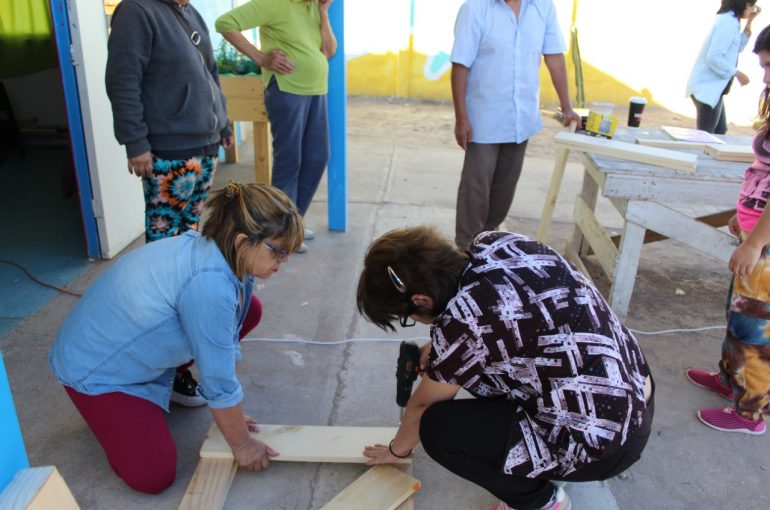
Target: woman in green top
point(296, 43)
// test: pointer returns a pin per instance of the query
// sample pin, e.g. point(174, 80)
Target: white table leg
point(553, 193)
point(626, 267)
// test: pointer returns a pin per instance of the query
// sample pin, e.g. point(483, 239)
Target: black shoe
point(185, 392)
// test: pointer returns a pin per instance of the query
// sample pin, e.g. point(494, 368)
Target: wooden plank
point(624, 276)
point(718, 219)
point(596, 236)
point(682, 228)
point(592, 180)
point(671, 144)
point(41, 488)
point(307, 443)
point(263, 159)
point(246, 109)
point(728, 152)
point(572, 255)
point(553, 193)
point(210, 485)
point(380, 488)
point(408, 504)
point(243, 86)
point(659, 189)
point(689, 134)
point(629, 151)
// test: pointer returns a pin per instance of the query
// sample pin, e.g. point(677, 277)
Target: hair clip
point(233, 189)
point(397, 283)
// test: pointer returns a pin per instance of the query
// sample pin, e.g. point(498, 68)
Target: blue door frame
point(338, 90)
point(61, 28)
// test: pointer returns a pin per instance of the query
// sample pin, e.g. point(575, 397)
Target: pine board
point(307, 443)
point(380, 488)
point(628, 151)
point(728, 152)
point(41, 488)
point(210, 485)
point(671, 144)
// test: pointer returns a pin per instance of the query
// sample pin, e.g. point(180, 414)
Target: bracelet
point(390, 449)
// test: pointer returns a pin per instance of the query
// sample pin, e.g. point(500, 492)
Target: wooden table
point(246, 102)
point(655, 202)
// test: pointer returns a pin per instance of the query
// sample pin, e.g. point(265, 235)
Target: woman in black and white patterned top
point(563, 388)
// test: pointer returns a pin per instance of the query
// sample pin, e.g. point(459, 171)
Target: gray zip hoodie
point(163, 96)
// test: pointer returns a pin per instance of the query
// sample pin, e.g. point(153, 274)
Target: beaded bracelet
point(390, 449)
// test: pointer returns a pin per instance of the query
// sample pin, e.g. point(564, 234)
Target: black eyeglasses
point(279, 254)
point(406, 319)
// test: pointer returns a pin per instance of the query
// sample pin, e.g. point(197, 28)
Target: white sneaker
point(302, 248)
point(185, 391)
point(309, 234)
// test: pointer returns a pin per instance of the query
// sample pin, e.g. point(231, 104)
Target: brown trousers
point(487, 184)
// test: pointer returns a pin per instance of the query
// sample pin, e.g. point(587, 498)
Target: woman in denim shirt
point(181, 298)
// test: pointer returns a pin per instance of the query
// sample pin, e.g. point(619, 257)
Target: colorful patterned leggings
point(745, 361)
point(175, 194)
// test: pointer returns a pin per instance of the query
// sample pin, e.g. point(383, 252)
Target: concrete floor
point(391, 184)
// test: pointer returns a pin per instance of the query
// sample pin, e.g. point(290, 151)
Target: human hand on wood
point(276, 61)
point(141, 165)
point(253, 455)
point(744, 258)
point(251, 423)
point(569, 116)
point(379, 454)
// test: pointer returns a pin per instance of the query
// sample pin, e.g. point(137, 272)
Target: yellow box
point(602, 125)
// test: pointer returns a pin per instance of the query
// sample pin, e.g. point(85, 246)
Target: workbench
point(246, 102)
point(655, 202)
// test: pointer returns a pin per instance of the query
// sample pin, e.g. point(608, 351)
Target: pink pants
point(133, 431)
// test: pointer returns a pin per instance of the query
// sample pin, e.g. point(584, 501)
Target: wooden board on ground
point(671, 144)
point(41, 488)
point(728, 152)
point(210, 485)
point(380, 488)
point(628, 151)
point(307, 443)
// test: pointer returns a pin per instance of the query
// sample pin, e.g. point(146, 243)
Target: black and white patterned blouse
point(527, 326)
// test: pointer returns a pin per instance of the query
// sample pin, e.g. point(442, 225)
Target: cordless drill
point(407, 369)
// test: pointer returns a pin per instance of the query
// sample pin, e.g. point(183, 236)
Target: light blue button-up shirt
point(158, 307)
point(504, 55)
point(717, 60)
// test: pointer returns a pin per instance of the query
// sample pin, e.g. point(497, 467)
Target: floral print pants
point(175, 194)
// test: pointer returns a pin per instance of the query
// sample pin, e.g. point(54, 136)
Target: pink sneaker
point(559, 501)
point(710, 381)
point(728, 420)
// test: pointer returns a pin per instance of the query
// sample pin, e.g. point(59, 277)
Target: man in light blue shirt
point(496, 92)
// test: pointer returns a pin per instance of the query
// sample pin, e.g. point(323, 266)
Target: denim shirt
point(717, 61)
point(503, 55)
point(158, 307)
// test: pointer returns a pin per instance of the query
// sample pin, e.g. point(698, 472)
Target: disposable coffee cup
point(635, 109)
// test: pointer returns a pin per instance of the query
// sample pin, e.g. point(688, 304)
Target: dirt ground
point(433, 122)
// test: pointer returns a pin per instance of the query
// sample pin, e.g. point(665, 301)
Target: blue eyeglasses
point(279, 254)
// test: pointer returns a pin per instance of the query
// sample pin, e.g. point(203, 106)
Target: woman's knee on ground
point(150, 471)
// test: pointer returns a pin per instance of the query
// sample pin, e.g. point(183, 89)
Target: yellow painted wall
point(628, 48)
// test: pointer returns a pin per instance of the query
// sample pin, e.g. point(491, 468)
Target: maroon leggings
point(133, 431)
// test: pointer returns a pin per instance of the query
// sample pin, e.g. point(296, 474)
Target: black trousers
point(469, 438)
point(712, 120)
